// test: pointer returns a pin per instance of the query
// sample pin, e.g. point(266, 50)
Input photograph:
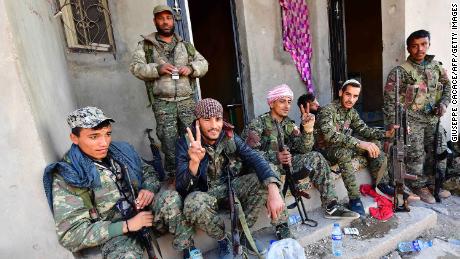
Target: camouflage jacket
point(422, 87)
point(77, 226)
point(337, 125)
point(229, 150)
point(261, 134)
point(150, 54)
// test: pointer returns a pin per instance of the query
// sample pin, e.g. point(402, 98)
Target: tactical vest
point(148, 49)
point(417, 93)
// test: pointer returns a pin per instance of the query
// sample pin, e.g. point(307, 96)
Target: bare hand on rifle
point(391, 130)
point(195, 151)
point(284, 157)
point(142, 219)
point(308, 119)
point(440, 110)
point(144, 198)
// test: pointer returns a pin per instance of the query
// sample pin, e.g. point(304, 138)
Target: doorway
point(363, 23)
point(356, 52)
point(213, 24)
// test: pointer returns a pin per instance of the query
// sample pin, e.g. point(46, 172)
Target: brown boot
point(425, 195)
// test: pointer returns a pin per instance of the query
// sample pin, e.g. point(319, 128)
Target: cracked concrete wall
point(103, 79)
point(35, 99)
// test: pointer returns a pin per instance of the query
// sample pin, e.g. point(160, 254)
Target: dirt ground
point(447, 227)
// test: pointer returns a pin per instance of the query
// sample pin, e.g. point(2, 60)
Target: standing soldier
point(262, 134)
point(168, 65)
point(337, 122)
point(96, 189)
point(425, 93)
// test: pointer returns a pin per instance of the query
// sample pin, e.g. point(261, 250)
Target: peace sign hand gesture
point(308, 119)
point(195, 151)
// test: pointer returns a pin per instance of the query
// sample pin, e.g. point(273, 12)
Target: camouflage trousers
point(168, 217)
point(343, 156)
point(453, 176)
point(200, 208)
point(320, 177)
point(420, 155)
point(172, 118)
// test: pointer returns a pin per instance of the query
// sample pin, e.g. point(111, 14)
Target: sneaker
point(385, 190)
point(192, 252)
point(337, 211)
point(261, 248)
point(425, 195)
point(283, 231)
point(224, 249)
point(357, 206)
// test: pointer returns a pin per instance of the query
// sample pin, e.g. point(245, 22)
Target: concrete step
point(381, 237)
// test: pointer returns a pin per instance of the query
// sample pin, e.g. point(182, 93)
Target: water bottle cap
point(336, 225)
point(429, 243)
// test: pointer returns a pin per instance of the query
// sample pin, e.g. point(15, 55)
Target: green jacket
point(337, 125)
point(149, 56)
point(422, 88)
point(76, 227)
point(261, 134)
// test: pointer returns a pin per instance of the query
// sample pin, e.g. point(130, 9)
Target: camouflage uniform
point(262, 134)
point(452, 182)
point(422, 88)
point(208, 191)
point(77, 228)
point(336, 125)
point(172, 100)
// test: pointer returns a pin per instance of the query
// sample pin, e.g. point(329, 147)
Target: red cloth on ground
point(384, 208)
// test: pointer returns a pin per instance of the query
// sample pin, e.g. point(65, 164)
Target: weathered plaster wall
point(438, 24)
point(321, 65)
point(269, 64)
point(104, 80)
point(35, 98)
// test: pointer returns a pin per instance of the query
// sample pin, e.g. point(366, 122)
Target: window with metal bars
point(87, 24)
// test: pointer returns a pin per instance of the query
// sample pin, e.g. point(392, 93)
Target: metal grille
point(87, 24)
point(337, 44)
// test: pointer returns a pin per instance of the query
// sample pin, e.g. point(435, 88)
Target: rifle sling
point(244, 226)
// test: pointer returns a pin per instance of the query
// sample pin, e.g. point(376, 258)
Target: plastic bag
point(287, 248)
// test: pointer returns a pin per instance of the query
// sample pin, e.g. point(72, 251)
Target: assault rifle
point(237, 248)
point(292, 181)
point(156, 162)
point(440, 174)
point(144, 233)
point(398, 154)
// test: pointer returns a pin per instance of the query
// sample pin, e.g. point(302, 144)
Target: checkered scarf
point(207, 108)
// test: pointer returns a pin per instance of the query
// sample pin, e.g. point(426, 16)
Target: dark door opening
point(213, 35)
point(363, 23)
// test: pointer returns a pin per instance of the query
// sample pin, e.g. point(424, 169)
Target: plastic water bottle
point(294, 219)
point(336, 240)
point(414, 246)
point(196, 254)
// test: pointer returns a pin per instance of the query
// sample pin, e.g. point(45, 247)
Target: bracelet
point(127, 227)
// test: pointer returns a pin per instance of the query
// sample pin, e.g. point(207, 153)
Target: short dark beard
point(164, 33)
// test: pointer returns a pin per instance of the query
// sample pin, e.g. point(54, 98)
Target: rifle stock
point(237, 249)
point(291, 183)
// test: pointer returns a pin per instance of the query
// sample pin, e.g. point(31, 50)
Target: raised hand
point(308, 119)
point(195, 151)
